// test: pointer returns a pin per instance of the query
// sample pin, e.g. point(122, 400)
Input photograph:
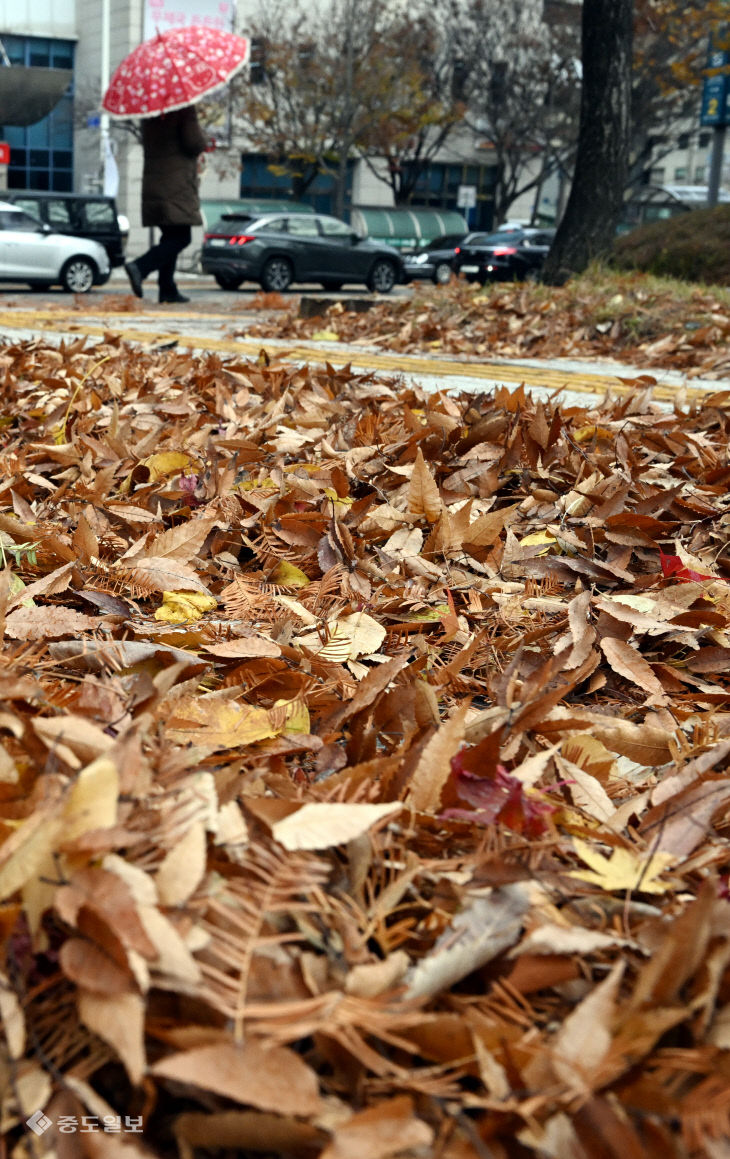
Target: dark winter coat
point(172, 144)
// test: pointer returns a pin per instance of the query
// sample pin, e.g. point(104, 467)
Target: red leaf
point(672, 565)
point(498, 798)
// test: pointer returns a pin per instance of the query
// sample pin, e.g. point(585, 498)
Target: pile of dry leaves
point(641, 321)
point(364, 769)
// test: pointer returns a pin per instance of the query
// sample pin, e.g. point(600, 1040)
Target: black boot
point(173, 295)
point(135, 278)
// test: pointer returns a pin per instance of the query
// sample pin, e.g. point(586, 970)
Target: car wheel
point(78, 274)
point(442, 274)
point(276, 275)
point(381, 278)
point(331, 284)
point(228, 281)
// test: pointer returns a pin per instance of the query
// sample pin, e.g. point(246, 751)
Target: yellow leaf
point(325, 336)
point(537, 538)
point(27, 851)
point(219, 724)
point(341, 502)
point(624, 870)
point(266, 484)
point(166, 463)
point(288, 576)
point(92, 802)
point(181, 607)
point(297, 715)
point(592, 432)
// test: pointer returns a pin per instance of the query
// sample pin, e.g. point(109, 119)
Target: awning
point(28, 95)
point(405, 228)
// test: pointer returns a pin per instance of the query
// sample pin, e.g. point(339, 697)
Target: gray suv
point(89, 215)
point(277, 249)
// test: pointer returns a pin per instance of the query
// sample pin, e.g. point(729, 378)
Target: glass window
point(41, 155)
point(701, 174)
point(656, 175)
point(303, 226)
point(18, 220)
point(705, 139)
point(278, 224)
point(39, 52)
point(97, 213)
point(331, 227)
point(29, 204)
point(58, 213)
point(680, 173)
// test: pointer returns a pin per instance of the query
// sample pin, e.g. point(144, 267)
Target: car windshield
point(447, 242)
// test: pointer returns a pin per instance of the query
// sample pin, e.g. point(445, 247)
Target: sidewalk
point(208, 327)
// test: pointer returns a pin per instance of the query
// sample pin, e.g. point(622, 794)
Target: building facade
point(66, 149)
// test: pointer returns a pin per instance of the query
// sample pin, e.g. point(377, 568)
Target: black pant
point(163, 256)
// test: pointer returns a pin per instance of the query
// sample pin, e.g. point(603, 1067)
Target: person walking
point(172, 144)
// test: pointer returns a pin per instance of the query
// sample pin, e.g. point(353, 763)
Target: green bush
point(694, 247)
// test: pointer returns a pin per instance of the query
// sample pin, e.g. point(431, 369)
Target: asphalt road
point(202, 291)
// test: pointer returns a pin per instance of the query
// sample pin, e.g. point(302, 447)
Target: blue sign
point(715, 93)
point(93, 121)
point(716, 85)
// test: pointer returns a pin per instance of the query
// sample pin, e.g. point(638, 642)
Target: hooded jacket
point(172, 144)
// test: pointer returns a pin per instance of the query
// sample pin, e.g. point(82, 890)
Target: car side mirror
point(44, 228)
point(355, 237)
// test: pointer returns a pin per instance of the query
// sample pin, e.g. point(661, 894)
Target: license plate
point(217, 241)
point(470, 269)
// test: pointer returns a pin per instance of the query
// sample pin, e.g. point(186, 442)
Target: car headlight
point(420, 260)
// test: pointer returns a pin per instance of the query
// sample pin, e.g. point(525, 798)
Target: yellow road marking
point(583, 382)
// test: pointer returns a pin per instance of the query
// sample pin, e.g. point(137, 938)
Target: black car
point(90, 215)
point(280, 248)
point(435, 261)
point(514, 255)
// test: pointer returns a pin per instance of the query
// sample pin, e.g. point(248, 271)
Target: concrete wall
point(38, 18)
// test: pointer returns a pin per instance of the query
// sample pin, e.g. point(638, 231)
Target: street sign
point(466, 197)
point(714, 101)
point(4, 153)
point(716, 85)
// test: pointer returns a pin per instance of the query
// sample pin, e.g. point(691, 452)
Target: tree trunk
point(594, 207)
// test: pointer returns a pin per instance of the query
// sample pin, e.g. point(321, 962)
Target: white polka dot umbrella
point(174, 69)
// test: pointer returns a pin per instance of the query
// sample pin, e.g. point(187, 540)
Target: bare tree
point(411, 101)
point(596, 197)
point(518, 68)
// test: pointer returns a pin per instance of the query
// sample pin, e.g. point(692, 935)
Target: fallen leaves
point(651, 326)
point(363, 760)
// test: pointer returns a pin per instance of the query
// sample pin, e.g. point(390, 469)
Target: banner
point(161, 15)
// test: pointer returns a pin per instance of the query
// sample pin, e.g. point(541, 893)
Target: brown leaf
point(48, 622)
point(91, 969)
point(118, 1020)
point(423, 493)
point(388, 1128)
point(433, 768)
point(249, 1074)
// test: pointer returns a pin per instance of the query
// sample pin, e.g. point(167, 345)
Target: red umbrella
point(174, 69)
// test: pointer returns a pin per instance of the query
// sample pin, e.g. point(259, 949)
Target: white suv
point(31, 252)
